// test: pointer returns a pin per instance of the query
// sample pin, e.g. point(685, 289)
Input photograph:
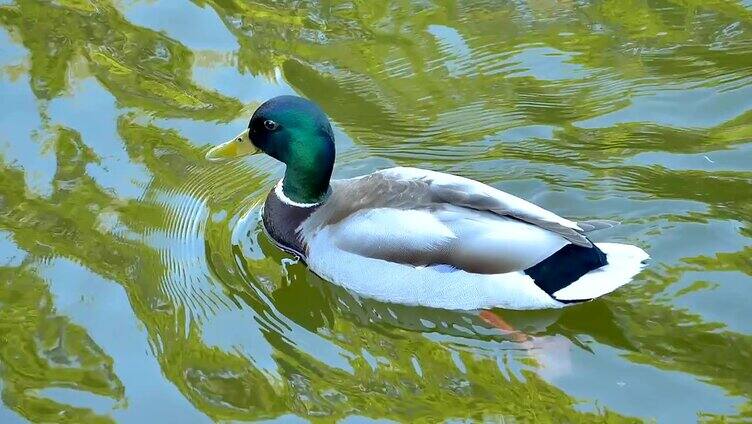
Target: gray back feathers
point(391, 189)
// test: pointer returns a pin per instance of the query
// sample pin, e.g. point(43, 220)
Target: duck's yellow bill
point(239, 146)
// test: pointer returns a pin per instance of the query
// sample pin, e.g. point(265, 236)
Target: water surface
point(136, 284)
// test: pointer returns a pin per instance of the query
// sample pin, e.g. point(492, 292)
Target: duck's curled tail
point(577, 274)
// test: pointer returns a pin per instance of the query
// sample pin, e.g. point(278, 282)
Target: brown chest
point(281, 221)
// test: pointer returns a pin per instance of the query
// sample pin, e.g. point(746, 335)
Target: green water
point(136, 284)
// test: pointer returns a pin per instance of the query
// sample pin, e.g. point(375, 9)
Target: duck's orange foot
point(496, 321)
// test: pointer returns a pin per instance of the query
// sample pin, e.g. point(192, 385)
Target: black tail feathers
point(565, 267)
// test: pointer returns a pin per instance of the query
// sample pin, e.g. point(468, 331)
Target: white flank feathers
point(428, 286)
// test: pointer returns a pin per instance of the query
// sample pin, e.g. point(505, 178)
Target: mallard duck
point(421, 237)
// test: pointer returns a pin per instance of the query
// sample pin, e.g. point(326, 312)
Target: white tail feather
point(624, 262)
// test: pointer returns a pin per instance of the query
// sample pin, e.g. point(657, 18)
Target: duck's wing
point(444, 235)
point(472, 194)
point(415, 189)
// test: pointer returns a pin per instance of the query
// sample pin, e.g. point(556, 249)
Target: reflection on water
point(136, 283)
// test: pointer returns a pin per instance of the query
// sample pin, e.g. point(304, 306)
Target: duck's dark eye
point(239, 139)
point(270, 125)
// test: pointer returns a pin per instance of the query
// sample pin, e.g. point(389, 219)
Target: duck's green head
point(296, 132)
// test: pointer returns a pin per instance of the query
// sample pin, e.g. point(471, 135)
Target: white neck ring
point(286, 200)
